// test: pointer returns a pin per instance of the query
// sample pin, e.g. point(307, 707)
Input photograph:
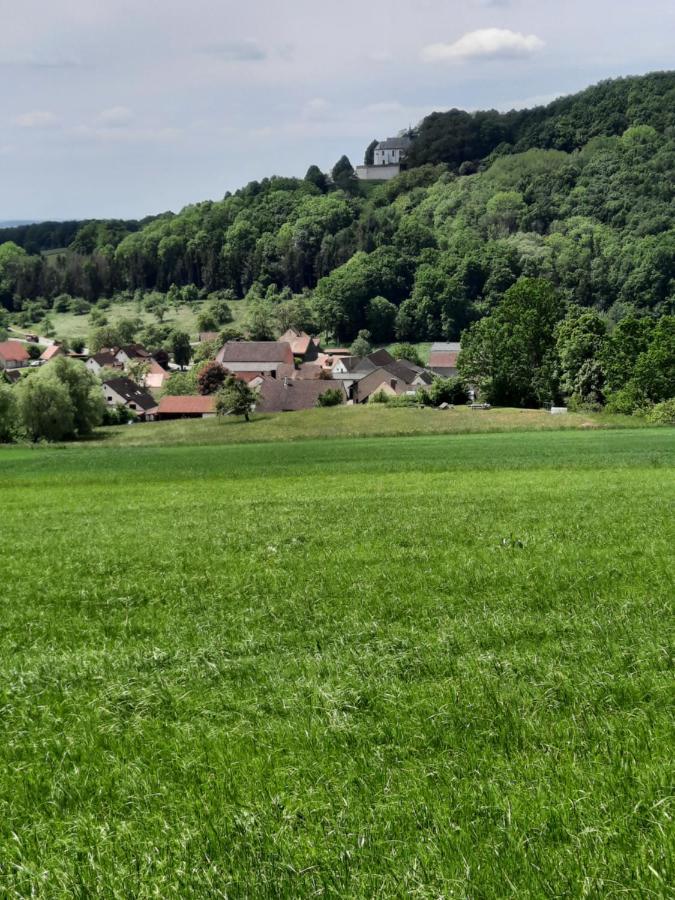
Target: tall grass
point(438, 666)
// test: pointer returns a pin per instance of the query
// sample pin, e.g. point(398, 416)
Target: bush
point(211, 378)
point(118, 415)
point(629, 400)
point(331, 397)
point(663, 413)
point(408, 352)
point(447, 390)
point(8, 420)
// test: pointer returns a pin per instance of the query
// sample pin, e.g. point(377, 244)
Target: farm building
point(52, 352)
point(302, 344)
point(396, 378)
point(443, 358)
point(13, 355)
point(132, 353)
point(255, 356)
point(186, 407)
point(105, 359)
point(290, 395)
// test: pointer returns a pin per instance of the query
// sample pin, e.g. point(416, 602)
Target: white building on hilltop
point(387, 159)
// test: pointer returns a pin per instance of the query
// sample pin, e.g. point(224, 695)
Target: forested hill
point(604, 110)
point(418, 258)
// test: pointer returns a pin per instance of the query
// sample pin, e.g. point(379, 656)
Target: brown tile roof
point(105, 358)
point(135, 351)
point(300, 341)
point(255, 352)
point(13, 351)
point(286, 395)
point(186, 405)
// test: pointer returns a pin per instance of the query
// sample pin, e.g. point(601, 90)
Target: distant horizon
point(119, 114)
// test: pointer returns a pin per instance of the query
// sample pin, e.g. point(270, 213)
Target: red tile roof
point(443, 360)
point(51, 352)
point(13, 351)
point(186, 405)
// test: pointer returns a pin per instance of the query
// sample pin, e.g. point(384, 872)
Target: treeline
point(459, 138)
point(419, 258)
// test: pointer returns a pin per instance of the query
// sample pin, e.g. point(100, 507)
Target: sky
point(125, 108)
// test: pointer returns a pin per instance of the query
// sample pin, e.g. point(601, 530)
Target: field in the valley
point(437, 666)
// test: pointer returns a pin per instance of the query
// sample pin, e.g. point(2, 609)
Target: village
point(290, 374)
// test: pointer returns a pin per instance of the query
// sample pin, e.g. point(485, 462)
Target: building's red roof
point(442, 360)
point(51, 352)
point(300, 341)
point(13, 351)
point(247, 377)
point(187, 405)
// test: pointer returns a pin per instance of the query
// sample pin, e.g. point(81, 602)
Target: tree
point(45, 409)
point(447, 390)
point(8, 414)
point(331, 397)
point(655, 368)
point(369, 157)
point(343, 174)
point(182, 384)
point(381, 316)
point(510, 354)
point(83, 390)
point(316, 177)
point(211, 378)
point(181, 348)
point(361, 345)
point(157, 303)
point(408, 352)
point(235, 398)
point(580, 339)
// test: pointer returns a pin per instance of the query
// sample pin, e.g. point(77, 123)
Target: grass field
point(354, 421)
point(68, 325)
point(438, 666)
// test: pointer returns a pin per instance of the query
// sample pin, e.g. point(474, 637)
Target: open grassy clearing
point(438, 666)
point(372, 420)
point(68, 325)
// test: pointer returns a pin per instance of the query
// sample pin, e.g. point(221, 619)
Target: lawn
point(365, 420)
point(68, 325)
point(438, 666)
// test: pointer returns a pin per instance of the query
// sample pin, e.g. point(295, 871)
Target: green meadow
point(430, 666)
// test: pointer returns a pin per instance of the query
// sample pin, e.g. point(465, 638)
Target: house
point(443, 358)
point(156, 376)
point(351, 369)
point(186, 407)
point(13, 355)
point(396, 378)
point(255, 356)
point(132, 353)
point(291, 395)
point(123, 391)
point(52, 352)
point(104, 359)
point(304, 346)
point(388, 158)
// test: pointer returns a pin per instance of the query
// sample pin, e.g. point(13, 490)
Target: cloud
point(119, 135)
point(316, 108)
point(42, 62)
point(115, 117)
point(36, 119)
point(236, 51)
point(486, 43)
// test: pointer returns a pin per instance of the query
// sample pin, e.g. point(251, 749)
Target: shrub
point(331, 397)
point(211, 378)
point(663, 413)
point(447, 390)
point(408, 352)
point(118, 415)
point(8, 420)
point(629, 400)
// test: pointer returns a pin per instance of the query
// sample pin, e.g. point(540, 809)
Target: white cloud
point(115, 117)
point(110, 135)
point(316, 108)
point(36, 119)
point(486, 43)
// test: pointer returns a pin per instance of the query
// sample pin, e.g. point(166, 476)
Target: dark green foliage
point(408, 352)
point(181, 348)
point(331, 397)
point(608, 108)
point(8, 414)
point(235, 398)
point(510, 354)
point(369, 157)
point(361, 345)
point(446, 390)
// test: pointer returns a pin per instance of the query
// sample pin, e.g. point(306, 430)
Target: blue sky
point(130, 107)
